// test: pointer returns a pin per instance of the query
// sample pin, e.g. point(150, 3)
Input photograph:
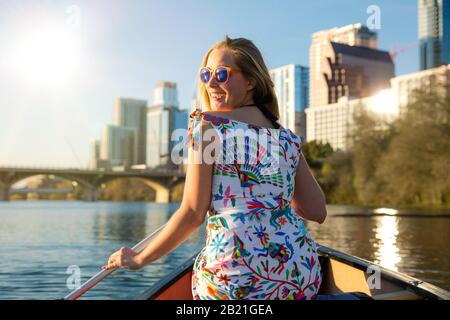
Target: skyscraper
point(131, 113)
point(345, 62)
point(352, 34)
point(292, 90)
point(162, 119)
point(434, 33)
point(346, 71)
point(119, 145)
point(166, 93)
point(94, 154)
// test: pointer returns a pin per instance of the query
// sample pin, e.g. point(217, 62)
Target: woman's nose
point(213, 82)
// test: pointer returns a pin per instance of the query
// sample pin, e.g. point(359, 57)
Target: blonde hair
point(248, 59)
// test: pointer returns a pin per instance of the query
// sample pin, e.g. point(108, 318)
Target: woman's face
point(236, 92)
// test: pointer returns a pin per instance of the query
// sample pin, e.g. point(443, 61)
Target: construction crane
point(395, 51)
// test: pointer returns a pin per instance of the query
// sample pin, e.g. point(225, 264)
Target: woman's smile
point(218, 96)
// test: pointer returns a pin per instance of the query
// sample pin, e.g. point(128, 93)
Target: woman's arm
point(309, 200)
point(190, 215)
point(186, 220)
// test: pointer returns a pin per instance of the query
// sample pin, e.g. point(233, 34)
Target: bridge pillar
point(90, 193)
point(4, 192)
point(162, 195)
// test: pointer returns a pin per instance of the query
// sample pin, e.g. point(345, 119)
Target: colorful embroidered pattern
point(257, 247)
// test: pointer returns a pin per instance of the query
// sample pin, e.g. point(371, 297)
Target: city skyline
point(53, 125)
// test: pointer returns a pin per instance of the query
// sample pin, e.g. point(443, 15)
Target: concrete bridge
point(43, 190)
point(160, 180)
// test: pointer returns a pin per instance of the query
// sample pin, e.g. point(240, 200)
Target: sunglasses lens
point(205, 75)
point(221, 74)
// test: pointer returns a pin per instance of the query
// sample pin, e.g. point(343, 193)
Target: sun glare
point(46, 57)
point(384, 102)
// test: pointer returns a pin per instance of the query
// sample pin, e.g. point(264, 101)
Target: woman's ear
point(251, 84)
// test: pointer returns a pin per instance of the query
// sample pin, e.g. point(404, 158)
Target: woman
point(247, 176)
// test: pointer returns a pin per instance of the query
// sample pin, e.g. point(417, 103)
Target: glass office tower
point(434, 33)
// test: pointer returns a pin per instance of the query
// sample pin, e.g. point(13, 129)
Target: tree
point(337, 178)
point(315, 153)
point(416, 166)
point(368, 140)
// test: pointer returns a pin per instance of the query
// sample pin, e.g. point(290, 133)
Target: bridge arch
point(87, 187)
point(176, 189)
point(162, 189)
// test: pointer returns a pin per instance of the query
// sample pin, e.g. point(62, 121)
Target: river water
point(44, 244)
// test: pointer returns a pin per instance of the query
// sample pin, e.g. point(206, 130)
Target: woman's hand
point(124, 258)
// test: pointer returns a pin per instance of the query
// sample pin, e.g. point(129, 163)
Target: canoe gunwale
point(419, 287)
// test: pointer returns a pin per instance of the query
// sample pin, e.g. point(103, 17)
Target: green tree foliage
point(368, 142)
point(315, 153)
point(403, 163)
point(416, 166)
point(332, 170)
point(337, 180)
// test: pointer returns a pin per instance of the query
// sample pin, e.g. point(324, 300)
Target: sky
point(62, 63)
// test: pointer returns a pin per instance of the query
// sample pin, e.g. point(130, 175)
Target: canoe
point(343, 274)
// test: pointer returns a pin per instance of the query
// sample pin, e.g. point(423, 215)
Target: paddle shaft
point(94, 280)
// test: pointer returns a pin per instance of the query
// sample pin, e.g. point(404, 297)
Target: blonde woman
point(248, 178)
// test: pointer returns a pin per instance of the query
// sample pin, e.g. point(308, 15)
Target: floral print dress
point(257, 247)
